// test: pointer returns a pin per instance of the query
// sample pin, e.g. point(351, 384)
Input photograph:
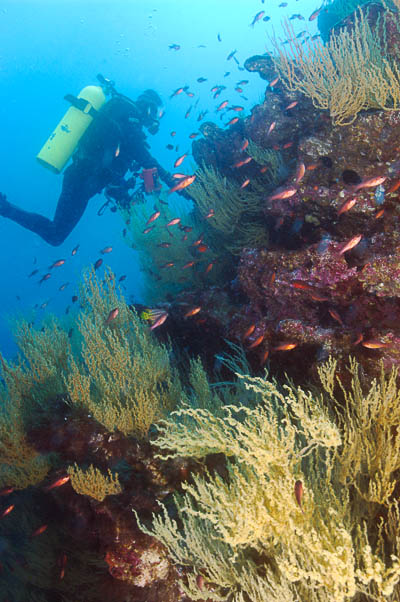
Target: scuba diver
point(106, 140)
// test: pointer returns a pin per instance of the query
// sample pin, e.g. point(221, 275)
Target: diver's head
point(148, 104)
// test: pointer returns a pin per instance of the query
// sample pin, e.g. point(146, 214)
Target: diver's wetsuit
point(94, 166)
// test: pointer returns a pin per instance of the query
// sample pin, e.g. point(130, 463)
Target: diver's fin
point(80, 103)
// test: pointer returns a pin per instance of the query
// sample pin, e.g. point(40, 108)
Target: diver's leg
point(71, 205)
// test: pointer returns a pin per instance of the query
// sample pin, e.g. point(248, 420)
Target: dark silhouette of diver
point(113, 144)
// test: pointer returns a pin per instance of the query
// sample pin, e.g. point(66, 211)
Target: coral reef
point(278, 515)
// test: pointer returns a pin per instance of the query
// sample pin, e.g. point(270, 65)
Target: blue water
point(52, 47)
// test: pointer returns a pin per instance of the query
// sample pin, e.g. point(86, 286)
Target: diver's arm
point(145, 159)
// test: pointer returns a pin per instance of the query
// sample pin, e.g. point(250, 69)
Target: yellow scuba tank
point(63, 141)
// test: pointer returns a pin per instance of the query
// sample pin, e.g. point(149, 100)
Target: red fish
point(351, 244)
point(315, 14)
point(243, 162)
point(283, 194)
point(202, 248)
point(245, 183)
point(370, 183)
point(285, 347)
point(211, 213)
point(182, 184)
point(174, 222)
point(347, 205)
point(180, 160)
point(57, 264)
point(257, 341)
point(153, 217)
point(169, 264)
point(159, 320)
point(244, 145)
point(233, 120)
point(222, 105)
point(373, 344)
point(112, 315)
point(190, 264)
point(208, 268)
point(291, 105)
point(39, 530)
point(192, 312)
point(45, 277)
point(249, 331)
point(301, 170)
point(257, 17)
point(6, 490)
point(7, 510)
point(334, 314)
point(298, 492)
point(61, 481)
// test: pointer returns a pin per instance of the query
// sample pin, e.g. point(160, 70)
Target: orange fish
point(211, 213)
point(273, 82)
point(283, 194)
point(106, 250)
point(200, 582)
point(182, 184)
point(233, 120)
point(7, 511)
point(164, 245)
point(358, 339)
point(316, 297)
point(112, 315)
point(244, 145)
point(57, 263)
point(394, 186)
point(263, 169)
point(117, 151)
point(75, 250)
point(301, 170)
point(379, 214)
point(147, 230)
point(373, 344)
point(291, 105)
point(315, 14)
point(179, 176)
point(285, 347)
point(237, 108)
point(192, 312)
point(257, 341)
point(243, 162)
point(347, 205)
point(249, 331)
point(174, 221)
point(169, 264)
point(163, 315)
point(336, 316)
point(245, 183)
point(312, 166)
point(222, 105)
point(193, 135)
point(180, 160)
point(190, 264)
point(153, 217)
point(208, 268)
point(61, 481)
point(271, 127)
point(299, 284)
point(370, 183)
point(287, 145)
point(39, 530)
point(351, 244)
point(202, 248)
point(6, 490)
point(298, 492)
